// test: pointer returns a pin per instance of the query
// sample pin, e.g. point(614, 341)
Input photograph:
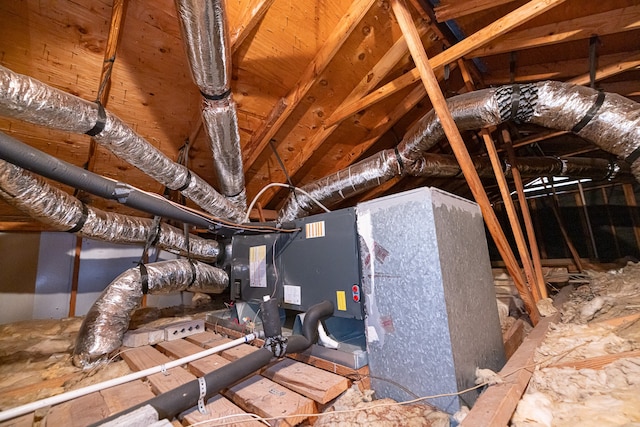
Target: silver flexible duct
point(205, 36)
point(610, 121)
point(32, 195)
point(108, 319)
point(27, 99)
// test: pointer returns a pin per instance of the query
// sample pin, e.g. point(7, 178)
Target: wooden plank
point(218, 407)
point(182, 348)
point(513, 338)
point(125, 396)
point(345, 371)
point(316, 67)
point(147, 357)
point(460, 151)
point(238, 352)
point(559, 70)
point(611, 22)
point(499, 27)
point(26, 420)
point(208, 339)
point(630, 199)
point(609, 70)
point(309, 381)
point(251, 17)
point(263, 397)
point(597, 362)
point(455, 9)
point(495, 406)
point(617, 321)
point(79, 412)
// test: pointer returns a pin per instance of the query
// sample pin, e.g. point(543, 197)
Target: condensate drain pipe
point(175, 401)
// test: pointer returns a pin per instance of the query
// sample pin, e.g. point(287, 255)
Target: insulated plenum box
point(431, 314)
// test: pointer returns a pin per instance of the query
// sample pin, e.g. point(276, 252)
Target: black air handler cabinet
point(319, 262)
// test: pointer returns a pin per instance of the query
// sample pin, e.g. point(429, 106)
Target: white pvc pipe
point(54, 400)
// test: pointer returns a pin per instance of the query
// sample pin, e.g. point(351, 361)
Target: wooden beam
point(316, 67)
point(565, 235)
point(537, 138)
point(609, 70)
point(447, 10)
point(611, 22)
point(499, 27)
point(496, 405)
point(630, 198)
point(253, 14)
point(526, 216)
point(560, 70)
point(459, 149)
point(597, 362)
point(512, 215)
point(376, 133)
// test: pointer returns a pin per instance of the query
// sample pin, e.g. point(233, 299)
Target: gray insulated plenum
point(108, 319)
point(32, 195)
point(27, 99)
point(610, 121)
point(205, 36)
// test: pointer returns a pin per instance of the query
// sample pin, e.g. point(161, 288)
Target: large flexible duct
point(108, 319)
point(32, 195)
point(172, 402)
point(205, 36)
point(27, 99)
point(610, 121)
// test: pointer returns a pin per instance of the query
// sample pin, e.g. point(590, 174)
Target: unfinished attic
point(386, 213)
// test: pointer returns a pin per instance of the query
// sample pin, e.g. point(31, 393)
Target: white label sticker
point(314, 229)
point(292, 295)
point(258, 266)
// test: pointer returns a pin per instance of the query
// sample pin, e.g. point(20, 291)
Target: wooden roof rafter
point(338, 37)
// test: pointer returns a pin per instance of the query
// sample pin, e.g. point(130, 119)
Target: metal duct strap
point(100, 122)
point(590, 114)
point(81, 221)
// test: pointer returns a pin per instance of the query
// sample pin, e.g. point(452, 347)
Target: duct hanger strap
point(100, 122)
point(399, 160)
point(590, 114)
point(218, 97)
point(81, 221)
point(633, 156)
point(187, 182)
point(194, 272)
point(515, 101)
point(202, 385)
point(144, 278)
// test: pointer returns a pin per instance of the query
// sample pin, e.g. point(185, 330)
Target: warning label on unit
point(314, 229)
point(258, 266)
point(341, 298)
point(292, 295)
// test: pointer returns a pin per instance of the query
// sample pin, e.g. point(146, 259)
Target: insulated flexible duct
point(108, 319)
point(64, 212)
point(27, 99)
point(205, 36)
point(610, 121)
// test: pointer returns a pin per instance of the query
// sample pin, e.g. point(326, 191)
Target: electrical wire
point(290, 187)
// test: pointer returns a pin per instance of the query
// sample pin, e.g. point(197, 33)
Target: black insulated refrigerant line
point(175, 401)
point(27, 157)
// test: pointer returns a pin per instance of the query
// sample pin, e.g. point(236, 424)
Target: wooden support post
point(513, 216)
point(459, 149)
point(75, 276)
point(565, 235)
point(630, 198)
point(612, 227)
point(526, 215)
point(538, 227)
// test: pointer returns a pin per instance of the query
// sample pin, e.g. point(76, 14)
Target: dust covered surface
point(599, 322)
point(354, 408)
